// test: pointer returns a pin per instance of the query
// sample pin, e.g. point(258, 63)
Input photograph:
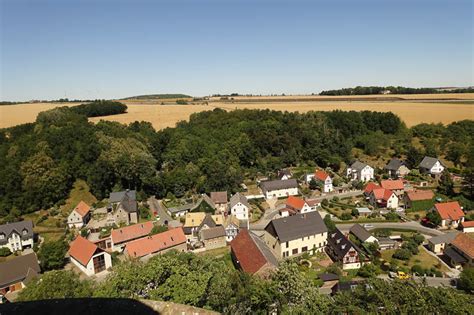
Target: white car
point(368, 226)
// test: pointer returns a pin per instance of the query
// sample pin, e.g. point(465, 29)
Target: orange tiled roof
point(382, 193)
point(392, 184)
point(82, 208)
point(464, 243)
point(295, 202)
point(449, 210)
point(468, 224)
point(370, 186)
point(82, 250)
point(321, 175)
point(155, 243)
point(420, 195)
point(131, 232)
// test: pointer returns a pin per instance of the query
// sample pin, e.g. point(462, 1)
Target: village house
point(213, 237)
point(369, 188)
point(147, 247)
point(197, 221)
point(450, 212)
point(341, 249)
point(79, 216)
point(17, 272)
point(120, 237)
point(396, 168)
point(461, 251)
point(250, 254)
point(437, 244)
point(417, 197)
point(362, 234)
point(325, 180)
point(431, 165)
point(364, 211)
point(180, 211)
point(219, 198)
point(239, 207)
point(295, 205)
point(88, 257)
point(232, 227)
point(360, 171)
point(383, 198)
point(284, 174)
point(467, 226)
point(295, 235)
point(279, 188)
point(395, 185)
point(123, 207)
point(17, 236)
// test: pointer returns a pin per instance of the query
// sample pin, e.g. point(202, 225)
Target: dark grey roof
point(360, 232)
point(207, 221)
point(18, 269)
point(266, 252)
point(127, 199)
point(18, 227)
point(219, 196)
point(296, 226)
point(284, 172)
point(340, 244)
point(443, 239)
point(186, 207)
point(428, 162)
point(118, 196)
point(357, 165)
point(214, 232)
point(394, 164)
point(328, 277)
point(454, 255)
point(385, 241)
point(279, 184)
point(236, 198)
point(208, 200)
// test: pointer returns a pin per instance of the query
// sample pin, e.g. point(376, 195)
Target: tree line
point(216, 285)
point(371, 90)
point(213, 151)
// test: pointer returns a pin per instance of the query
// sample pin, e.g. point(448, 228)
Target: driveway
point(156, 206)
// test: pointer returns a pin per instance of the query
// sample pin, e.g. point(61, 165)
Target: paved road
point(412, 225)
point(155, 205)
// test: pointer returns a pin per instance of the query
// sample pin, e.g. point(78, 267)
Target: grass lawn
point(217, 252)
point(421, 213)
point(423, 258)
point(80, 191)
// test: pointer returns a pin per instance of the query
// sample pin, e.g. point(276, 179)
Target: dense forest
point(370, 90)
point(218, 286)
point(40, 161)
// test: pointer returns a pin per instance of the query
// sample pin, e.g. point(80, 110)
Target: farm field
point(412, 109)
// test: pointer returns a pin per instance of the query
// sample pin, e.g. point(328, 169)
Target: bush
point(335, 199)
point(355, 212)
point(325, 202)
point(181, 102)
point(402, 254)
point(466, 280)
point(368, 271)
point(5, 251)
point(391, 216)
point(346, 216)
point(51, 255)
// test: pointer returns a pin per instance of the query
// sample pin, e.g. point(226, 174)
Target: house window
point(25, 232)
point(304, 249)
point(287, 244)
point(2, 236)
point(294, 251)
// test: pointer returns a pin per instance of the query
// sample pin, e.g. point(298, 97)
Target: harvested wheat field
point(412, 109)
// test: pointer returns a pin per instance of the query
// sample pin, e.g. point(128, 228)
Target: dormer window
point(2, 236)
point(25, 232)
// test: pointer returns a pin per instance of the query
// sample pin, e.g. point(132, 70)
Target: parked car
point(368, 226)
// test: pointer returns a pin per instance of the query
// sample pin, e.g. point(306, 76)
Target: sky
point(107, 49)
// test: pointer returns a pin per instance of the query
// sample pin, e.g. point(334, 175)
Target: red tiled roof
point(468, 224)
point(295, 202)
point(392, 184)
point(370, 186)
point(155, 243)
point(449, 210)
point(382, 193)
point(82, 250)
point(417, 195)
point(321, 175)
point(131, 232)
point(246, 252)
point(463, 242)
point(82, 208)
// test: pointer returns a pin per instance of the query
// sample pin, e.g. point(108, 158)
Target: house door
point(99, 263)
